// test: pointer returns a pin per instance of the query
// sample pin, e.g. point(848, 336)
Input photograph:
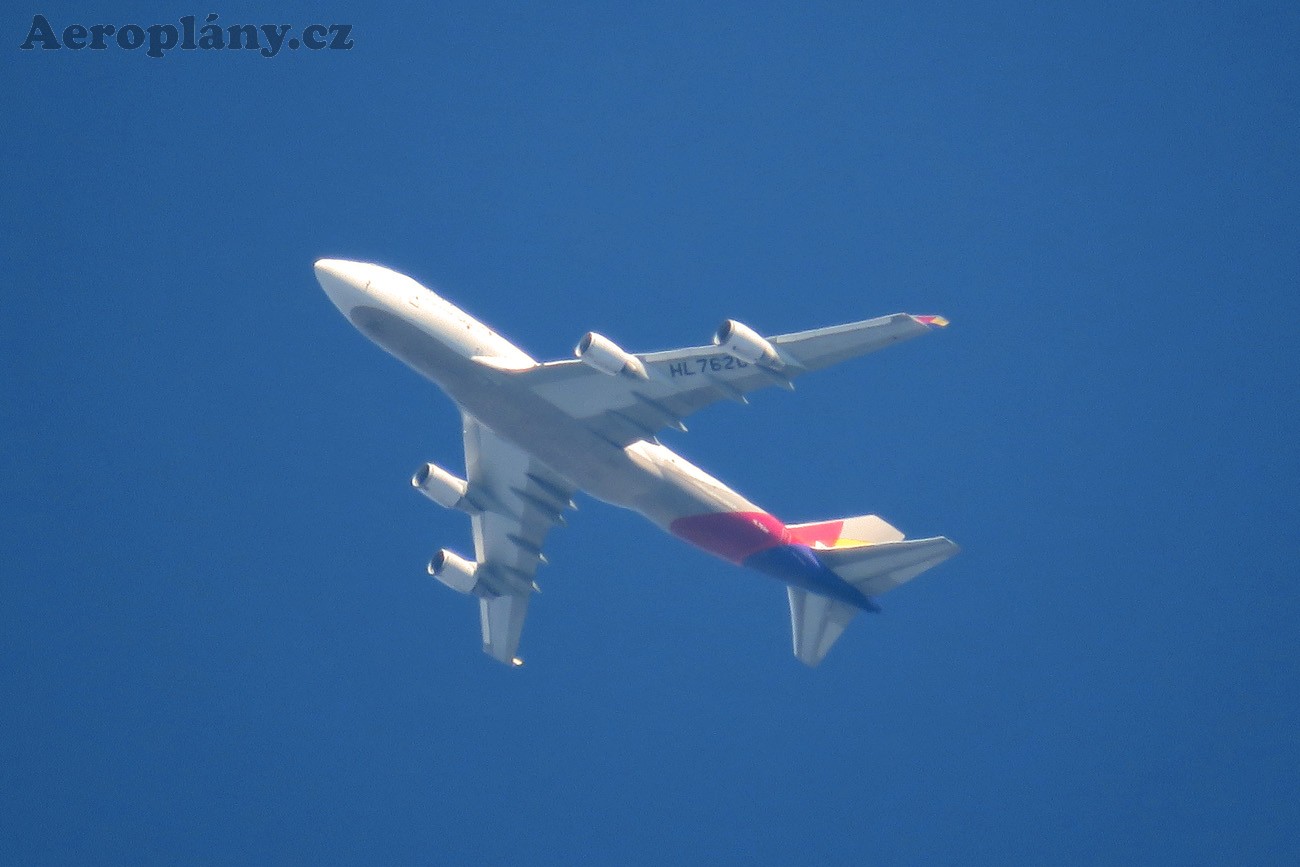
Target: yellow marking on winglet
point(939, 321)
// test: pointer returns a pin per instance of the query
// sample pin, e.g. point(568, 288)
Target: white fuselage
point(473, 365)
point(534, 433)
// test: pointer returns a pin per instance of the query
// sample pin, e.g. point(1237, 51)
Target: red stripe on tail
point(825, 532)
point(733, 536)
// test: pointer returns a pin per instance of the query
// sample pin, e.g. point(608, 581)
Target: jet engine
point(442, 487)
point(742, 342)
point(454, 570)
point(598, 351)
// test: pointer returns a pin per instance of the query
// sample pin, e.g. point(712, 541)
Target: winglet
point(938, 321)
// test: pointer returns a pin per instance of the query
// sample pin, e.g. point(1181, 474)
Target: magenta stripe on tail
point(733, 536)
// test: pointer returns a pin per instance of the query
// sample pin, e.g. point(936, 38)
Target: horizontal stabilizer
point(874, 568)
point(816, 623)
point(879, 568)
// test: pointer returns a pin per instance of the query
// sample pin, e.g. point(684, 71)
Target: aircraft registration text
point(708, 364)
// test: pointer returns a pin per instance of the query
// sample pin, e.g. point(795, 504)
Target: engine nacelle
point(454, 570)
point(442, 487)
point(742, 342)
point(598, 351)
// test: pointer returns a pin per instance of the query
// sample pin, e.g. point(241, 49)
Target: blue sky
point(218, 641)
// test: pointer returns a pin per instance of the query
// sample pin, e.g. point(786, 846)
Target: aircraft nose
point(343, 281)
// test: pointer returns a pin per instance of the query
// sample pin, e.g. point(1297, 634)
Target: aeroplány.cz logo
point(187, 35)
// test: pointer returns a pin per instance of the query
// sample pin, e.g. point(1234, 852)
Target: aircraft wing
point(678, 382)
point(522, 500)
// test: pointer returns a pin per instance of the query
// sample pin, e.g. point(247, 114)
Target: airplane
point(537, 433)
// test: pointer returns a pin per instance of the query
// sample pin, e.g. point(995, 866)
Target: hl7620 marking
point(714, 363)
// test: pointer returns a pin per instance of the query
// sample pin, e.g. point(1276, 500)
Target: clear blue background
point(217, 641)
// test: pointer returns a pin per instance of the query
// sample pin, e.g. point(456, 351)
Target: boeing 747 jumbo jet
point(537, 433)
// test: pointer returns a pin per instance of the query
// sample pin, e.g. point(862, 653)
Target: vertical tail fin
point(844, 532)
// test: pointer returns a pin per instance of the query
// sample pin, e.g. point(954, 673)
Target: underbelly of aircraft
point(623, 477)
point(646, 478)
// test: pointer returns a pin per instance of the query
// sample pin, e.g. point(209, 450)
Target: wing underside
point(680, 382)
point(523, 499)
